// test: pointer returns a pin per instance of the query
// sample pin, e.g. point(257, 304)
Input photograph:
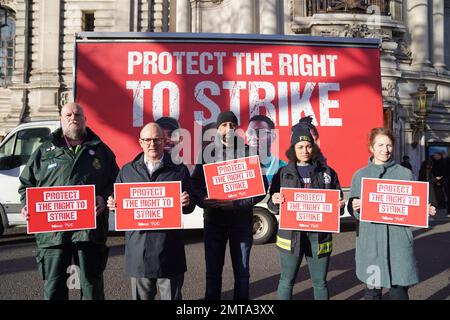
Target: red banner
point(395, 202)
point(124, 85)
point(234, 179)
point(148, 205)
point(65, 208)
point(310, 210)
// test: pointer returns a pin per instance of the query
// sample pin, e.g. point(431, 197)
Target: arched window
point(7, 37)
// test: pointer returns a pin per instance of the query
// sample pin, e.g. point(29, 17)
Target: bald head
point(70, 106)
point(73, 121)
point(152, 126)
point(151, 141)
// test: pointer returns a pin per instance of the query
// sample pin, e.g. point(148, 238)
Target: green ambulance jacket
point(54, 164)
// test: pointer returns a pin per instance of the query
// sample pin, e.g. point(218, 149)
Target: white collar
point(153, 163)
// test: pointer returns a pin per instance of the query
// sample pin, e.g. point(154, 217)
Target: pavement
point(20, 280)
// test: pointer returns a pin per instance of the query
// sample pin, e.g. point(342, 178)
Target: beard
point(76, 133)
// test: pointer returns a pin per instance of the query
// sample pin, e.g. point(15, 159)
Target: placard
point(65, 208)
point(148, 205)
point(234, 179)
point(310, 210)
point(395, 202)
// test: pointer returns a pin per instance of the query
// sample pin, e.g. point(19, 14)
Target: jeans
point(395, 292)
point(241, 240)
point(318, 269)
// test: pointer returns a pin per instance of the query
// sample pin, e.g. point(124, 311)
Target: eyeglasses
point(148, 141)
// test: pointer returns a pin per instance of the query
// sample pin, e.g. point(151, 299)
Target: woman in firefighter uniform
point(306, 169)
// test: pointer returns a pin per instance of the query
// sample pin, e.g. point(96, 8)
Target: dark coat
point(242, 209)
point(323, 177)
point(54, 164)
point(156, 253)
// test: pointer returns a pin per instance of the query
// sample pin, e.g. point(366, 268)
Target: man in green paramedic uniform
point(72, 155)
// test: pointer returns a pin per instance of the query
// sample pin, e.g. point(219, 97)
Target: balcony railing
point(350, 6)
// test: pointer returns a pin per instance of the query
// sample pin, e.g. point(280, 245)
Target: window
point(447, 33)
point(353, 6)
point(7, 148)
point(88, 21)
point(21, 145)
point(28, 140)
point(7, 36)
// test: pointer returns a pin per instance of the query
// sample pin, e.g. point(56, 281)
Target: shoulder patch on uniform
point(326, 178)
point(51, 148)
point(97, 164)
point(52, 165)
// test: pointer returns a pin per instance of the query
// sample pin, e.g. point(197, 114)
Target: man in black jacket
point(155, 259)
point(226, 219)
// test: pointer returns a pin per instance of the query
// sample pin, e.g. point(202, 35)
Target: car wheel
point(263, 226)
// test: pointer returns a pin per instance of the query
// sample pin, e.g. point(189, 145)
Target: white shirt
point(152, 166)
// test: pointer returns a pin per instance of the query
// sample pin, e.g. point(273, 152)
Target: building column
point(46, 41)
point(44, 80)
point(183, 16)
point(123, 18)
point(438, 35)
point(246, 17)
point(419, 29)
point(268, 16)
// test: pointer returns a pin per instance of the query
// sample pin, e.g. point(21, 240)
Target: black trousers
point(73, 266)
point(395, 292)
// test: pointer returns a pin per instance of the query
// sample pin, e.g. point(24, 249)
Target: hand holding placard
point(112, 204)
point(100, 205)
point(185, 200)
point(277, 198)
point(24, 213)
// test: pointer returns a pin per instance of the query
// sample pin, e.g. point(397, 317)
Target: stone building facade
point(37, 42)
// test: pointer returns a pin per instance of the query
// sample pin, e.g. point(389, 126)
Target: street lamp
point(422, 102)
